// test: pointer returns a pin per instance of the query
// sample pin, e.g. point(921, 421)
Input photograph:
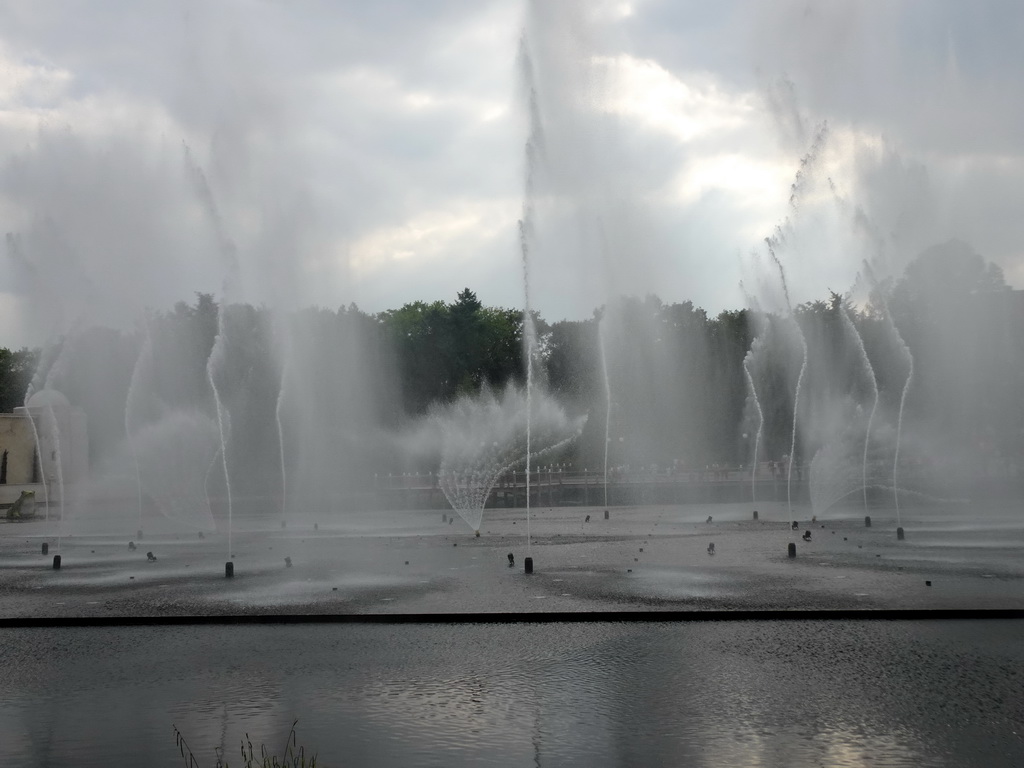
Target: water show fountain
point(527, 382)
point(249, 410)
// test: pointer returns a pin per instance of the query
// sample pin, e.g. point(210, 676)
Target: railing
point(563, 476)
point(560, 486)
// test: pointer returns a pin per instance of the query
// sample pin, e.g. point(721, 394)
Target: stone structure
point(23, 465)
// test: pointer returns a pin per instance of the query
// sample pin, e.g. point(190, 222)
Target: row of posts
point(900, 535)
point(229, 566)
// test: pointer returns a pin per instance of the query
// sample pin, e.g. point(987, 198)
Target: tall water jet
point(760, 419)
point(14, 252)
point(796, 412)
point(899, 423)
point(529, 332)
point(55, 430)
point(608, 402)
point(280, 431)
point(206, 477)
point(44, 364)
point(531, 151)
point(909, 358)
point(800, 377)
point(55, 434)
point(229, 253)
point(851, 329)
point(55, 370)
point(145, 357)
point(280, 447)
point(216, 355)
point(39, 457)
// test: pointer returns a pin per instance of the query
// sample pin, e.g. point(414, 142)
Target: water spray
point(760, 424)
point(531, 150)
point(229, 253)
point(909, 357)
point(771, 243)
point(796, 411)
point(145, 354)
point(608, 405)
point(866, 361)
point(280, 432)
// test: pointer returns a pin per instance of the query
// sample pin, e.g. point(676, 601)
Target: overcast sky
point(328, 152)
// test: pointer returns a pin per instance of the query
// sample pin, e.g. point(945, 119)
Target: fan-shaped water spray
point(484, 437)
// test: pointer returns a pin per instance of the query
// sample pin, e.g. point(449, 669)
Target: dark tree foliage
point(963, 324)
point(16, 369)
point(444, 350)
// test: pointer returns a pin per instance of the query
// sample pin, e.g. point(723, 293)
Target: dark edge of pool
point(564, 617)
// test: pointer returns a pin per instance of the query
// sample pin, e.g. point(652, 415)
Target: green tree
point(418, 334)
point(16, 369)
point(955, 313)
point(445, 350)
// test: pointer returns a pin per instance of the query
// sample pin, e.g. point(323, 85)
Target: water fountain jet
point(483, 438)
point(851, 329)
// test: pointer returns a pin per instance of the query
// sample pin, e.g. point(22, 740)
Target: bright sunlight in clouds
point(376, 152)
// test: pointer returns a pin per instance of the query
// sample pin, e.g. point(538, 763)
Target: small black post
point(288, 562)
point(229, 570)
point(755, 514)
point(528, 564)
point(867, 521)
point(792, 549)
point(138, 534)
point(56, 562)
point(46, 548)
point(899, 533)
point(606, 514)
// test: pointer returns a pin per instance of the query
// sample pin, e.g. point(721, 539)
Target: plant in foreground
point(294, 756)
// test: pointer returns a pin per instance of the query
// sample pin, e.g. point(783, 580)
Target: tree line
point(669, 382)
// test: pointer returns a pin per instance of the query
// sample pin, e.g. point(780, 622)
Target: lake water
point(758, 693)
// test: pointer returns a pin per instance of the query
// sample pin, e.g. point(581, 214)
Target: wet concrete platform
point(641, 559)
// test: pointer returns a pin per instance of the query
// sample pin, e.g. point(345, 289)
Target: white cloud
point(25, 84)
point(686, 108)
point(455, 232)
point(377, 149)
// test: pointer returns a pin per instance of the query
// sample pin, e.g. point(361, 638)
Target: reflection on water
point(604, 694)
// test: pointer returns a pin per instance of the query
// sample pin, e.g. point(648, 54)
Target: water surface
point(763, 693)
